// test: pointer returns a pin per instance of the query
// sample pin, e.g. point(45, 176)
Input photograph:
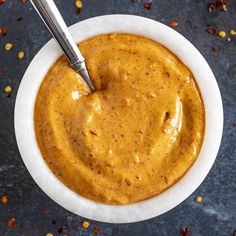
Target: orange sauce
point(134, 137)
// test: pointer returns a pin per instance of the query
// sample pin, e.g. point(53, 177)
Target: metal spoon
point(52, 18)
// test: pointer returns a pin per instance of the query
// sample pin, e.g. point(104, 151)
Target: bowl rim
point(177, 193)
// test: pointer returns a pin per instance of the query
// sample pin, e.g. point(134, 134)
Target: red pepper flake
point(96, 229)
point(184, 231)
point(134, 1)
point(3, 31)
point(211, 7)
point(78, 10)
point(212, 30)
point(234, 233)
point(215, 49)
point(173, 24)
point(1, 2)
point(63, 230)
point(148, 5)
point(24, 1)
point(19, 18)
point(218, 5)
point(93, 133)
point(54, 222)
point(234, 125)
point(11, 222)
point(1, 72)
point(45, 210)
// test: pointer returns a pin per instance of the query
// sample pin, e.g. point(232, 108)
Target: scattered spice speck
point(212, 30)
point(4, 200)
point(63, 230)
point(8, 46)
point(1, 2)
point(24, 1)
point(234, 125)
point(184, 231)
point(85, 224)
point(54, 222)
point(198, 199)
point(21, 55)
point(3, 31)
point(49, 234)
point(218, 5)
point(148, 5)
point(222, 34)
point(78, 4)
point(96, 229)
point(215, 49)
point(173, 24)
point(224, 7)
point(1, 72)
point(232, 32)
point(92, 132)
point(19, 18)
point(60, 230)
point(11, 222)
point(8, 89)
point(45, 210)
point(134, 1)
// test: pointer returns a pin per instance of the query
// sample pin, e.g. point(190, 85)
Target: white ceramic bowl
point(24, 122)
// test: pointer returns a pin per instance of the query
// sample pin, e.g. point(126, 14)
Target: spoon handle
point(52, 18)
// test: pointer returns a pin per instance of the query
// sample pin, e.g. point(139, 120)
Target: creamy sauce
point(136, 135)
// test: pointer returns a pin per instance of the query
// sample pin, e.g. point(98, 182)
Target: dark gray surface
point(216, 216)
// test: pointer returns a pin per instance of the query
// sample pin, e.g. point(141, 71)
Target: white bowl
point(56, 190)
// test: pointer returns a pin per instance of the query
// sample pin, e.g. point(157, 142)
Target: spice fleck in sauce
point(136, 135)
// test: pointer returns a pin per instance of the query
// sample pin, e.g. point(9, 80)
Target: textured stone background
point(216, 216)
